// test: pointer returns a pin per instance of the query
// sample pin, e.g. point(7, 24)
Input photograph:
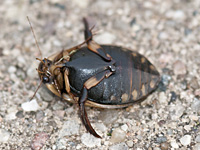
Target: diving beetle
point(102, 76)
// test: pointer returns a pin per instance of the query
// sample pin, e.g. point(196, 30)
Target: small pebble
point(70, 127)
point(163, 36)
point(61, 143)
point(173, 96)
point(4, 136)
point(82, 4)
point(164, 146)
point(194, 83)
point(165, 79)
point(120, 25)
point(164, 59)
point(39, 141)
point(130, 143)
point(108, 116)
point(197, 139)
point(59, 113)
point(101, 127)
point(187, 127)
point(46, 95)
point(176, 15)
point(179, 68)
point(31, 72)
point(197, 92)
point(105, 38)
point(58, 105)
point(161, 139)
point(174, 144)
point(196, 146)
point(195, 105)
point(90, 141)
point(39, 115)
point(162, 98)
point(12, 69)
point(102, 5)
point(120, 146)
point(19, 114)
point(11, 113)
point(156, 148)
point(21, 61)
point(185, 140)
point(124, 127)
point(30, 106)
point(178, 109)
point(118, 135)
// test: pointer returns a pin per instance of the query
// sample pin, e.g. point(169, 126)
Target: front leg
point(91, 82)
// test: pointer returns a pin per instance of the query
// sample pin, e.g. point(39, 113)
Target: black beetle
point(103, 76)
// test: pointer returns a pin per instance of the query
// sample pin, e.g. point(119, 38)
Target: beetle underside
point(54, 72)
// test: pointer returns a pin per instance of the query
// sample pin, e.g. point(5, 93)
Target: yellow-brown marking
point(143, 89)
point(134, 54)
point(93, 46)
point(143, 60)
point(91, 82)
point(124, 97)
point(134, 94)
point(124, 49)
point(152, 84)
point(152, 67)
point(112, 98)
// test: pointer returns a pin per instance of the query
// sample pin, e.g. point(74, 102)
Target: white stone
point(105, 38)
point(82, 4)
point(4, 136)
point(61, 143)
point(120, 146)
point(185, 140)
point(197, 139)
point(70, 127)
point(196, 146)
point(90, 141)
point(12, 69)
point(118, 135)
point(187, 127)
point(162, 98)
point(130, 143)
point(174, 144)
point(30, 106)
point(21, 60)
point(101, 127)
point(179, 14)
point(124, 127)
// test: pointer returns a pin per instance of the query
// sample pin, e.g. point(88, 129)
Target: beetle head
point(45, 71)
point(49, 73)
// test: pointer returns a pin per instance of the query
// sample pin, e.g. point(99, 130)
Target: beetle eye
point(45, 79)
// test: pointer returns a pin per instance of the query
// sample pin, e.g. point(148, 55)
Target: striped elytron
point(98, 75)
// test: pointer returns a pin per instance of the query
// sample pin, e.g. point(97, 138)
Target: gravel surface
point(166, 32)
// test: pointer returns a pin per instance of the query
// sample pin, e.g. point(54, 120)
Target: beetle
point(103, 76)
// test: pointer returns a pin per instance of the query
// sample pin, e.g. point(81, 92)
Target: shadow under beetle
point(102, 76)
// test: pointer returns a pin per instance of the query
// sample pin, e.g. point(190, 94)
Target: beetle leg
point(57, 86)
point(68, 51)
point(91, 82)
point(67, 85)
point(92, 45)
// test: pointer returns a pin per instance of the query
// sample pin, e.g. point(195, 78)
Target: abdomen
point(134, 79)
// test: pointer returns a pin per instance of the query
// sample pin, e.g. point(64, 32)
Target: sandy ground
point(166, 32)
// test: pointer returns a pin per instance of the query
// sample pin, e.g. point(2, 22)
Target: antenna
point(34, 37)
point(36, 90)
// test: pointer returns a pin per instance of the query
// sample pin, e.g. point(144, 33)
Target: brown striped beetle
point(102, 76)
